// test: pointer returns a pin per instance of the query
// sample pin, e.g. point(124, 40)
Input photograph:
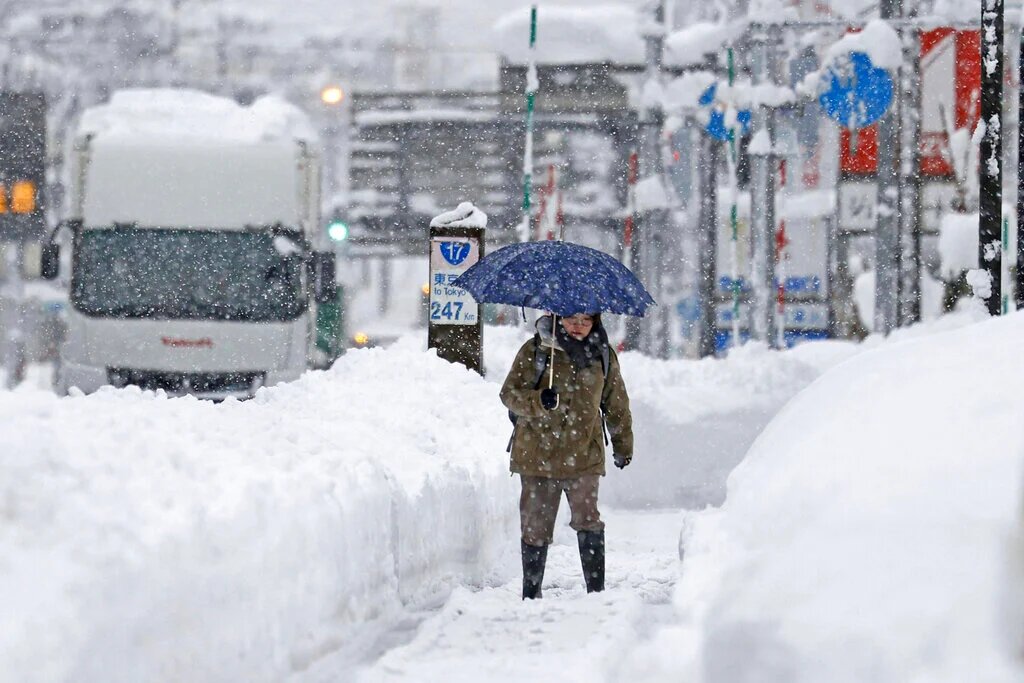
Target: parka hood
point(547, 339)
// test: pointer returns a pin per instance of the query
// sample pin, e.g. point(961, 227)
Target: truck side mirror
point(325, 289)
point(49, 262)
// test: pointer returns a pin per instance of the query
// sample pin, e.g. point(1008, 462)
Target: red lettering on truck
point(181, 343)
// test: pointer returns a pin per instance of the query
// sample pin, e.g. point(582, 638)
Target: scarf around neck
point(581, 352)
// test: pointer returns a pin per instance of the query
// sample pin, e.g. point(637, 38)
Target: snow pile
point(693, 420)
point(932, 295)
point(873, 532)
point(651, 195)
point(149, 538)
point(692, 45)
point(879, 41)
point(194, 116)
point(685, 91)
point(958, 243)
point(465, 215)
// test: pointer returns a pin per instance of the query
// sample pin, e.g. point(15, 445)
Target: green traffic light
point(337, 231)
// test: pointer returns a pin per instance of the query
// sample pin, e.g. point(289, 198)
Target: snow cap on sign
point(465, 215)
point(879, 41)
point(192, 116)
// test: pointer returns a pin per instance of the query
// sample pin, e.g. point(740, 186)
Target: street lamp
point(332, 95)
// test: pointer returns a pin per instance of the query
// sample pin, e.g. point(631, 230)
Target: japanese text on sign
point(450, 257)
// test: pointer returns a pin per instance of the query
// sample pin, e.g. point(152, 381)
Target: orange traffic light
point(23, 197)
point(3, 199)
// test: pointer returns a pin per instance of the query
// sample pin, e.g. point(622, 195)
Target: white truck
point(196, 262)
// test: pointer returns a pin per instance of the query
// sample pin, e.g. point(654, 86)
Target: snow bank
point(181, 115)
point(150, 538)
point(873, 532)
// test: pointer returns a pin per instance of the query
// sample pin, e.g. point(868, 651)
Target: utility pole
point(887, 228)
point(762, 189)
point(708, 241)
point(909, 86)
point(653, 221)
point(991, 153)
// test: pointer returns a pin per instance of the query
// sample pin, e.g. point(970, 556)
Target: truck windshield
point(129, 272)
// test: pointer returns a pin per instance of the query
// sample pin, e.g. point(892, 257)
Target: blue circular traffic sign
point(858, 92)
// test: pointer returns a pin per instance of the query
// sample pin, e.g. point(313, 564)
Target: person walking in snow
point(564, 389)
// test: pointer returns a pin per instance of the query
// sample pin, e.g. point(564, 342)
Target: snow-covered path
point(490, 634)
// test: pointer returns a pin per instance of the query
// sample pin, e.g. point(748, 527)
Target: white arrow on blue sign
point(858, 92)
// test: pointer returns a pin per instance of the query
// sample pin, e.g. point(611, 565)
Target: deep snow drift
point(150, 538)
point(873, 532)
point(146, 537)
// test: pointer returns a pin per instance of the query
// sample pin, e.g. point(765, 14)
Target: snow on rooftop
point(584, 34)
point(184, 114)
point(384, 118)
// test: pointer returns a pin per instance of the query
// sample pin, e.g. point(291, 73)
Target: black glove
point(549, 398)
point(621, 460)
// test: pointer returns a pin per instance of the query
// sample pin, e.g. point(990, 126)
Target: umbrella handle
point(551, 374)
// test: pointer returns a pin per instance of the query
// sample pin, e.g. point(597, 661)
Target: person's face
point(578, 326)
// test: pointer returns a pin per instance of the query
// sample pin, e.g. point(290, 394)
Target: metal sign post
point(991, 154)
point(455, 326)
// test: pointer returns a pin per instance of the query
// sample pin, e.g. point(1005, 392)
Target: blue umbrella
point(556, 276)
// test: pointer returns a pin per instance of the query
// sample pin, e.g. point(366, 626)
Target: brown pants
point(538, 506)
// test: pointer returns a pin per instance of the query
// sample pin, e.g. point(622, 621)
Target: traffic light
point(337, 230)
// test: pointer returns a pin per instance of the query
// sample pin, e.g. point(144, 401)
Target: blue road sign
point(716, 127)
point(858, 93)
point(455, 252)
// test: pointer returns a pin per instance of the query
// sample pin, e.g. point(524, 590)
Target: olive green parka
point(568, 441)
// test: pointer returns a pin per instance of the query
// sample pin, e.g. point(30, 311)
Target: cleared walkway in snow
point(492, 635)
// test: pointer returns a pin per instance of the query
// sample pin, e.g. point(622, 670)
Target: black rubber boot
point(534, 558)
point(592, 558)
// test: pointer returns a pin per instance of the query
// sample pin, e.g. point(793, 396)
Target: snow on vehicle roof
point(191, 115)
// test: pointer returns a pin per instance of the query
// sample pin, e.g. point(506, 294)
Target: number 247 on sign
point(450, 311)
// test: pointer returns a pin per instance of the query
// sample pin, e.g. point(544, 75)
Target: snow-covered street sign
point(450, 257)
point(859, 93)
point(455, 327)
